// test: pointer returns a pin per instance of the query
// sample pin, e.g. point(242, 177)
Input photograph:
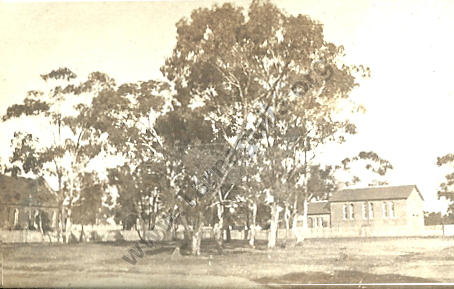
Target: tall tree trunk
point(171, 230)
point(287, 221)
point(219, 229)
point(197, 236)
point(187, 235)
point(144, 228)
point(61, 225)
point(297, 231)
point(68, 227)
point(300, 232)
point(306, 205)
point(40, 225)
point(82, 234)
point(305, 226)
point(195, 247)
point(61, 207)
point(228, 235)
point(246, 228)
point(152, 219)
point(272, 236)
point(253, 225)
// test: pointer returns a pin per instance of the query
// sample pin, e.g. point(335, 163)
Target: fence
point(439, 230)
point(21, 236)
point(394, 231)
point(113, 233)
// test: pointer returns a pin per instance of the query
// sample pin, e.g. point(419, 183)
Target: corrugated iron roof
point(25, 192)
point(374, 193)
point(318, 208)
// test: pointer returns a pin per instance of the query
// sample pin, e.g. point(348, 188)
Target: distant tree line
point(437, 218)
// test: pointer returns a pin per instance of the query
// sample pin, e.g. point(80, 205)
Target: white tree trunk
point(296, 231)
point(287, 221)
point(300, 232)
point(187, 232)
point(61, 225)
point(83, 236)
point(218, 228)
point(144, 228)
point(196, 240)
point(253, 225)
point(40, 226)
point(275, 210)
point(68, 227)
point(305, 206)
point(54, 224)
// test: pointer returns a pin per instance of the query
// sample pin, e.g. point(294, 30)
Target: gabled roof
point(374, 193)
point(20, 191)
point(318, 208)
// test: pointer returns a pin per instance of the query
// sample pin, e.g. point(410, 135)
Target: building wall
point(379, 219)
point(314, 221)
point(415, 211)
point(23, 216)
point(398, 231)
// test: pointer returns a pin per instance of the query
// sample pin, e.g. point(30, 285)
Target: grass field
point(316, 261)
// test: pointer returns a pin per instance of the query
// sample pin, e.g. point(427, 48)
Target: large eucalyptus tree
point(71, 135)
point(262, 70)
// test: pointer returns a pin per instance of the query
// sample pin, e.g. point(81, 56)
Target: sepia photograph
point(227, 144)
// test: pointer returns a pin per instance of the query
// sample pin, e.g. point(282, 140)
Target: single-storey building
point(26, 204)
point(372, 211)
point(318, 214)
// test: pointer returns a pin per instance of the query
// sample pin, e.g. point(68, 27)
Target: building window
point(352, 212)
point(310, 222)
point(385, 210)
point(371, 211)
point(16, 217)
point(320, 222)
point(392, 213)
point(364, 211)
point(345, 212)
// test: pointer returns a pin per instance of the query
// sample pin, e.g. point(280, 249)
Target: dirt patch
point(338, 277)
point(322, 261)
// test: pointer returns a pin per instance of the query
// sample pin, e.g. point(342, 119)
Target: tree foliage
point(267, 80)
point(251, 98)
point(369, 165)
point(447, 187)
point(71, 133)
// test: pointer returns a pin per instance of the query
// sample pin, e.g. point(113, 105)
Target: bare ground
point(372, 260)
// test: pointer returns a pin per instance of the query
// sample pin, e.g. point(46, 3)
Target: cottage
point(26, 204)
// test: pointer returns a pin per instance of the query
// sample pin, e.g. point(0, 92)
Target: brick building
point(372, 211)
point(318, 214)
point(26, 204)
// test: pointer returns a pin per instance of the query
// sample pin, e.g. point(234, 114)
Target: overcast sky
point(407, 44)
